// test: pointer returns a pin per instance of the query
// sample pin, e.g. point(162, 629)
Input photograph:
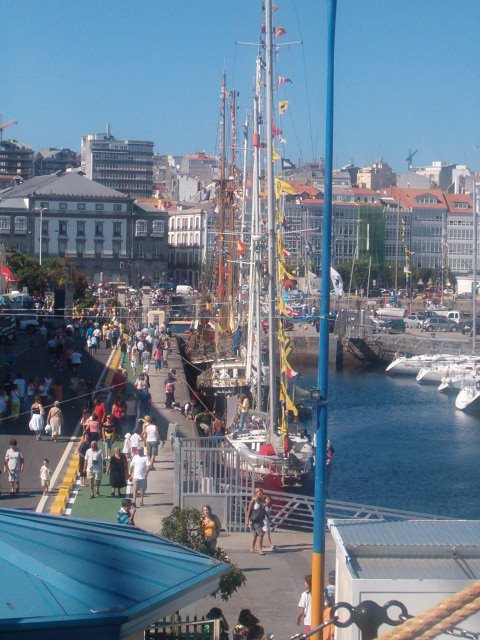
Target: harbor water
point(402, 445)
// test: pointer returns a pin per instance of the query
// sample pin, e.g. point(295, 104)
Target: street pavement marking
point(68, 449)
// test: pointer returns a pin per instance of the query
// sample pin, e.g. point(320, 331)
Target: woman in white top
point(151, 438)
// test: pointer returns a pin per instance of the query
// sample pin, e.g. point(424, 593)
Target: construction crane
point(4, 126)
point(410, 157)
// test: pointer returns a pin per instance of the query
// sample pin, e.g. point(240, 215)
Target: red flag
point(282, 80)
point(274, 7)
point(280, 31)
point(241, 247)
point(276, 131)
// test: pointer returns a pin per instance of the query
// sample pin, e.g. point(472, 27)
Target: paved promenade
point(274, 580)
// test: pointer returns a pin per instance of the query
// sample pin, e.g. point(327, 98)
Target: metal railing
point(212, 470)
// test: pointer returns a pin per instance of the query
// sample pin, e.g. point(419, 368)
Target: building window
point(141, 228)
point(140, 250)
point(20, 224)
point(116, 248)
point(158, 228)
point(63, 206)
point(44, 246)
point(80, 206)
point(4, 224)
point(99, 207)
point(99, 229)
point(81, 228)
point(44, 205)
point(80, 248)
point(21, 246)
point(45, 224)
point(426, 200)
point(157, 250)
point(62, 247)
point(98, 248)
point(117, 207)
point(460, 205)
point(117, 229)
point(62, 228)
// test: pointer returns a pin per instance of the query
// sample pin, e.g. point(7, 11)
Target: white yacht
point(468, 398)
point(411, 365)
point(438, 371)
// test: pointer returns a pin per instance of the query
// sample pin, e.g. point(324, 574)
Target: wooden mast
point(221, 218)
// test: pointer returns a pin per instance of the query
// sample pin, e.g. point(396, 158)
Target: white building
point(188, 242)
point(418, 563)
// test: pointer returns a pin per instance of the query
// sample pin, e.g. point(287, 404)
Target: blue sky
point(406, 74)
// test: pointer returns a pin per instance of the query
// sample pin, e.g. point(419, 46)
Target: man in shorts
point(14, 464)
point(139, 468)
point(93, 468)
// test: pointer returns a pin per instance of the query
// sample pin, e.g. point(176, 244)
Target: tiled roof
point(452, 198)
point(304, 187)
point(408, 197)
point(68, 184)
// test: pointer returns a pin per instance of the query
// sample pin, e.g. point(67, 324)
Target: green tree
point(184, 526)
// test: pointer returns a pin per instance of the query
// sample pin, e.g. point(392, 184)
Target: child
point(45, 474)
point(267, 505)
point(305, 606)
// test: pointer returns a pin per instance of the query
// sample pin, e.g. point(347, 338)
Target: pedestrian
point(108, 338)
point(127, 446)
point(21, 386)
point(58, 391)
point(146, 360)
point(244, 410)
point(83, 447)
point(158, 358)
point(123, 351)
point(108, 436)
point(169, 394)
point(14, 402)
point(139, 468)
point(216, 613)
point(37, 418)
point(99, 411)
point(55, 420)
point(118, 471)
point(75, 361)
point(255, 520)
point(305, 606)
point(131, 411)
point(267, 523)
point(93, 468)
point(246, 624)
point(14, 465)
point(211, 526)
point(45, 475)
point(136, 441)
point(134, 359)
point(151, 438)
point(126, 513)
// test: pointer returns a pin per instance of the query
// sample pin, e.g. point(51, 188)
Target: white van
point(455, 316)
point(184, 290)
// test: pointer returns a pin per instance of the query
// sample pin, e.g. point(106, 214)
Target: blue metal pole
point(318, 558)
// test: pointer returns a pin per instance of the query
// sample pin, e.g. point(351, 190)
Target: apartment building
point(49, 160)
point(123, 165)
point(16, 159)
point(70, 216)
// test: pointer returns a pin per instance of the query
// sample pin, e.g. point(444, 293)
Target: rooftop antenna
point(410, 158)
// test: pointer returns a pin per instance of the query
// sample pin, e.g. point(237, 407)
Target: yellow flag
point(282, 187)
point(282, 106)
point(275, 156)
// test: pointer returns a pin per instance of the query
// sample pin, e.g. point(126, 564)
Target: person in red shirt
point(99, 411)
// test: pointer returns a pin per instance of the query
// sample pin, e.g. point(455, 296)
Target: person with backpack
point(255, 519)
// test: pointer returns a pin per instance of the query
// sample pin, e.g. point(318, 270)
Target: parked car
point(392, 325)
point(466, 295)
point(415, 321)
point(439, 324)
point(28, 323)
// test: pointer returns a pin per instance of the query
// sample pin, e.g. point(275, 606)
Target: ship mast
point(254, 303)
point(221, 220)
point(272, 266)
point(229, 188)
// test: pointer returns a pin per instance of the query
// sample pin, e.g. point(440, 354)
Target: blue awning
point(65, 577)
